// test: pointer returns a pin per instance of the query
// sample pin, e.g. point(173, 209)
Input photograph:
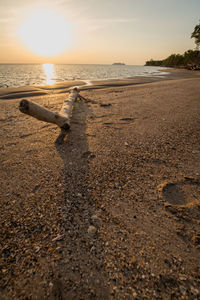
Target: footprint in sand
point(108, 123)
point(25, 135)
point(184, 193)
point(128, 119)
point(105, 105)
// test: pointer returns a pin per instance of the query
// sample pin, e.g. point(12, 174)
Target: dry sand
point(113, 213)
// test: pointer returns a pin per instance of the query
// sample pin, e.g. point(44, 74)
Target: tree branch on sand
point(61, 119)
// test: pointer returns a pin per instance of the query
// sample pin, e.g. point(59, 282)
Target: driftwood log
point(62, 119)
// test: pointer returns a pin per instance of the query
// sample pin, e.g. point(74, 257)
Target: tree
point(192, 57)
point(153, 63)
point(174, 60)
point(196, 35)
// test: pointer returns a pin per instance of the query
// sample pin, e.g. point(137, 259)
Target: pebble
point(133, 261)
point(92, 249)
point(95, 218)
point(182, 290)
point(194, 291)
point(182, 277)
point(58, 238)
point(126, 144)
point(134, 294)
point(37, 249)
point(91, 231)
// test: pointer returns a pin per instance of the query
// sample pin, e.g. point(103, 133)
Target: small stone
point(134, 294)
point(195, 152)
point(182, 290)
point(79, 195)
point(37, 249)
point(92, 249)
point(29, 151)
point(126, 144)
point(95, 218)
point(182, 277)
point(194, 291)
point(91, 231)
point(58, 238)
point(133, 261)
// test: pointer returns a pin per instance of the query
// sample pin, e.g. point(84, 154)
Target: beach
point(113, 212)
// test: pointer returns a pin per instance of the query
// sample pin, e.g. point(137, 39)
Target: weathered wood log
point(62, 119)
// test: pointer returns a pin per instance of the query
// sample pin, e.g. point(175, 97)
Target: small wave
point(28, 75)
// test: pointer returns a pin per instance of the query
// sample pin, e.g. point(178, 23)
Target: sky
point(95, 31)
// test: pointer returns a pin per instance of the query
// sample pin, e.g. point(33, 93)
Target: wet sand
point(63, 87)
point(113, 213)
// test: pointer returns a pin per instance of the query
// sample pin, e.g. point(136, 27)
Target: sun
point(45, 33)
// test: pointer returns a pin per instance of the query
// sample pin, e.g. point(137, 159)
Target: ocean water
point(17, 75)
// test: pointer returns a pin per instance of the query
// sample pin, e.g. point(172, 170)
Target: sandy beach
point(113, 213)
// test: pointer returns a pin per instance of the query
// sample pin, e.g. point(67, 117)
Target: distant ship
point(119, 64)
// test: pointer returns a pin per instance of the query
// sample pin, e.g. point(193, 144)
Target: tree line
point(190, 59)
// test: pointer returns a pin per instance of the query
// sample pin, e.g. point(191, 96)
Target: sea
point(18, 75)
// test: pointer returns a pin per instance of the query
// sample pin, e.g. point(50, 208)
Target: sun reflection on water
point(49, 72)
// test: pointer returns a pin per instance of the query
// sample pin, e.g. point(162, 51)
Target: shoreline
point(62, 87)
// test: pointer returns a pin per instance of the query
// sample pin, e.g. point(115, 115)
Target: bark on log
point(62, 119)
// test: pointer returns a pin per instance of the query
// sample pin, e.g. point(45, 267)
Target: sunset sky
point(95, 31)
